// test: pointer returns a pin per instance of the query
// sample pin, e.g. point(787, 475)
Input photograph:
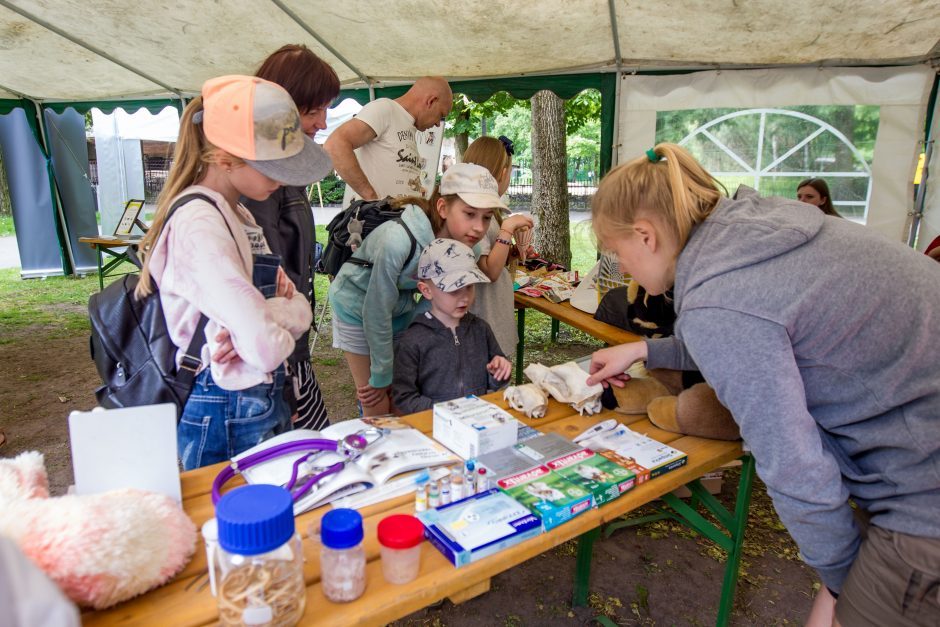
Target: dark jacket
point(432, 364)
point(287, 222)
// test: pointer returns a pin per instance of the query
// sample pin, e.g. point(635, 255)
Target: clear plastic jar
point(400, 537)
point(259, 566)
point(342, 556)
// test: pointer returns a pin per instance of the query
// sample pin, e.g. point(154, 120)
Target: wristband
point(500, 240)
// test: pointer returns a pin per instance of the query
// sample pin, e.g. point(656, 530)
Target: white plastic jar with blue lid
point(342, 556)
point(260, 562)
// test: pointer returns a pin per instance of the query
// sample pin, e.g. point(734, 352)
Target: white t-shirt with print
point(390, 161)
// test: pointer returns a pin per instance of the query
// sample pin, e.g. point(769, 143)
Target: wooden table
point(114, 247)
point(184, 601)
point(564, 312)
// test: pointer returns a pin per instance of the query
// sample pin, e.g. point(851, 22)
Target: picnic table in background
point(113, 246)
point(564, 312)
point(186, 601)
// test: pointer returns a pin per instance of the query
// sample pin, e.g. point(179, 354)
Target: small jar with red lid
point(400, 537)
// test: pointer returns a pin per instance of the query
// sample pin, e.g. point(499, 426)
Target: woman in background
point(816, 192)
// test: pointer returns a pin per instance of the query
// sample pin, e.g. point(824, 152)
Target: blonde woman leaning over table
point(833, 384)
point(494, 302)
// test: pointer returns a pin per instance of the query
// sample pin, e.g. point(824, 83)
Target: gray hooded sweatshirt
point(823, 339)
point(434, 364)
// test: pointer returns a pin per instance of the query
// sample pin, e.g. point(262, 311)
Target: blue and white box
point(470, 426)
point(478, 526)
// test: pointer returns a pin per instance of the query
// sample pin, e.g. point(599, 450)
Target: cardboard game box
point(646, 457)
point(478, 526)
point(548, 495)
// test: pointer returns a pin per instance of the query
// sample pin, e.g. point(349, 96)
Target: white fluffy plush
point(100, 549)
point(567, 383)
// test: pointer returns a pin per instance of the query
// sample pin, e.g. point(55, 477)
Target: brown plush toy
point(660, 394)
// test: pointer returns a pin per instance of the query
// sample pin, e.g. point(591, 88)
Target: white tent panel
point(403, 40)
point(179, 43)
point(175, 45)
point(758, 33)
point(901, 92)
point(40, 64)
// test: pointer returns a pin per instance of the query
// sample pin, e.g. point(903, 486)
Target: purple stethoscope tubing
point(314, 446)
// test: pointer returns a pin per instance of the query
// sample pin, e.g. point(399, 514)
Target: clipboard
point(130, 218)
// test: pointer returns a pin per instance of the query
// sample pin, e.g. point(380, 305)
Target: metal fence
point(582, 183)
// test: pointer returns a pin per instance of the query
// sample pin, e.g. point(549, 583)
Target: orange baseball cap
point(257, 120)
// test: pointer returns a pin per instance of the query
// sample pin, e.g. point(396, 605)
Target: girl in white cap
point(373, 295)
point(229, 307)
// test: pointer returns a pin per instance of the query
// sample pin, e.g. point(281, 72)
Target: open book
point(402, 450)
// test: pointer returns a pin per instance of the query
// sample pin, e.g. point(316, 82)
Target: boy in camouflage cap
point(447, 352)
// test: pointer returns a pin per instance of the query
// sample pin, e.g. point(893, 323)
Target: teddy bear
point(354, 227)
point(100, 549)
point(680, 402)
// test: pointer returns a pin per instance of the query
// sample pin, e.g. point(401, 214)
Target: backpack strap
point(191, 360)
point(365, 263)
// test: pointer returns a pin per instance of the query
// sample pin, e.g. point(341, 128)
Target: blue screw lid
point(255, 519)
point(341, 528)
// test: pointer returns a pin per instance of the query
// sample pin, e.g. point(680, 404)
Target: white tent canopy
point(77, 50)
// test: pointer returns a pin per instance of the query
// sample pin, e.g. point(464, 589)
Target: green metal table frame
point(728, 535)
point(119, 254)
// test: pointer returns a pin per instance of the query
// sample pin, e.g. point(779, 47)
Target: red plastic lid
point(400, 531)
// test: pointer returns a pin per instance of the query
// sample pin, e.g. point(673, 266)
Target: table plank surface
point(184, 602)
point(578, 319)
point(104, 241)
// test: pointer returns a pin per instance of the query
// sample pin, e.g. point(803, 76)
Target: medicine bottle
point(342, 556)
point(260, 572)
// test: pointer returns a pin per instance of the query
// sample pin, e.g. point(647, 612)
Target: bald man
point(375, 152)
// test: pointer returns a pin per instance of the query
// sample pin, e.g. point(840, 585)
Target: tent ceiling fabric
point(164, 47)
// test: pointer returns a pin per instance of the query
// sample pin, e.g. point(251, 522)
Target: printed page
point(403, 450)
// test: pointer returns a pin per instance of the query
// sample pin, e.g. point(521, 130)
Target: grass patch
point(56, 303)
point(6, 226)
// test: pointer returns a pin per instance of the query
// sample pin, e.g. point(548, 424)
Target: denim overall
point(218, 424)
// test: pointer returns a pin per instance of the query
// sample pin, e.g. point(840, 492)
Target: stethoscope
point(350, 448)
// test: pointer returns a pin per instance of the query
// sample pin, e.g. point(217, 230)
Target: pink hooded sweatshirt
point(200, 269)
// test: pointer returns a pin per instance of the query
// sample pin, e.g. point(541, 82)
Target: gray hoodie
point(823, 339)
point(433, 363)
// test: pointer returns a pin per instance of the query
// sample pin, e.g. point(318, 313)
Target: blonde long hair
point(192, 156)
point(491, 154)
point(675, 191)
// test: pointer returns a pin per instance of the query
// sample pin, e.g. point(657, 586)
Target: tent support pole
point(921, 199)
point(65, 246)
point(615, 143)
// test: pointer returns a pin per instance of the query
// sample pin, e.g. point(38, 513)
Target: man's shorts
point(895, 580)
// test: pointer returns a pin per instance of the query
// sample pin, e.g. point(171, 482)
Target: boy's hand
point(285, 287)
point(500, 368)
point(370, 396)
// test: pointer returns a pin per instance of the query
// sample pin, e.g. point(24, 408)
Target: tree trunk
point(550, 178)
point(461, 141)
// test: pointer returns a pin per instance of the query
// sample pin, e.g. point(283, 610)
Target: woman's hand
point(285, 287)
point(500, 368)
point(609, 365)
point(515, 222)
point(370, 396)
point(225, 352)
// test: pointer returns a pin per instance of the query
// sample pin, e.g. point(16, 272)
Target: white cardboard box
point(470, 426)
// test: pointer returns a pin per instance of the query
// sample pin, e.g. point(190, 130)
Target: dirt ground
point(656, 574)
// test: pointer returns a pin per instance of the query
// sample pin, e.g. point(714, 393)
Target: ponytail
point(191, 158)
point(667, 185)
point(427, 205)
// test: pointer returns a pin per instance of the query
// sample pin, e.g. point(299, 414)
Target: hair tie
point(197, 117)
point(652, 156)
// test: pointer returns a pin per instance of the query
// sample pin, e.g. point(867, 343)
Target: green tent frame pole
point(921, 198)
point(61, 227)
